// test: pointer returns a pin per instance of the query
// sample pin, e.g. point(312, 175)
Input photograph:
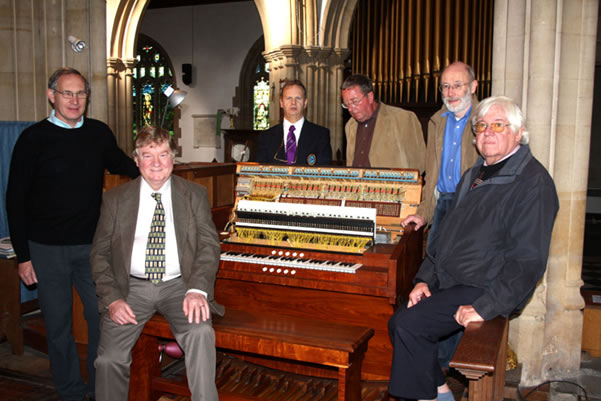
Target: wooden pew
point(331, 344)
point(481, 356)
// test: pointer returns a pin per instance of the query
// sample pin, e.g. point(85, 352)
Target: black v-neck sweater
point(55, 183)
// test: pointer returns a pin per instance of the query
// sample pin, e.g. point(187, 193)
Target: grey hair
point(53, 81)
point(513, 113)
point(362, 81)
point(156, 136)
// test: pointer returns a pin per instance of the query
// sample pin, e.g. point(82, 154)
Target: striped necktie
point(155, 247)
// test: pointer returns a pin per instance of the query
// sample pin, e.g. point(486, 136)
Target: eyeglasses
point(353, 103)
point(455, 86)
point(69, 95)
point(497, 127)
point(285, 161)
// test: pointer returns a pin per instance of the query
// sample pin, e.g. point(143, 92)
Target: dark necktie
point(155, 248)
point(291, 146)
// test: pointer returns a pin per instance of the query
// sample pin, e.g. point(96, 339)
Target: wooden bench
point(323, 343)
point(481, 356)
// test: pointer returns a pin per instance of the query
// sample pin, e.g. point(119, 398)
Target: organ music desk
point(322, 243)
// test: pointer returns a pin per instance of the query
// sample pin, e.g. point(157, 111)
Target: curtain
point(9, 132)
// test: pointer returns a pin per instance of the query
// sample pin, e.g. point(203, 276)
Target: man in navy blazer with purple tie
point(295, 140)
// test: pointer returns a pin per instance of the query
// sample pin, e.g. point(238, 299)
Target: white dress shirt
point(145, 213)
point(298, 126)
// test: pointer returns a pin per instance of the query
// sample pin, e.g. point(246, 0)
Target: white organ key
point(288, 262)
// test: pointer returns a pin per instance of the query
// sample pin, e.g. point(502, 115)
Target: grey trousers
point(58, 268)
point(116, 341)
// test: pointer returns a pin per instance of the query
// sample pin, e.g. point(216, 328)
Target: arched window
point(151, 77)
point(254, 90)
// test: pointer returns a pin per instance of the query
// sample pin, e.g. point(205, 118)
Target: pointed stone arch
point(123, 22)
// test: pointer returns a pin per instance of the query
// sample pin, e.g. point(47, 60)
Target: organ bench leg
point(349, 379)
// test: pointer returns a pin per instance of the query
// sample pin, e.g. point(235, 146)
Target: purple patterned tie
point(291, 146)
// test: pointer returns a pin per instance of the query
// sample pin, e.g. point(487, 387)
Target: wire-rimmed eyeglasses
point(455, 86)
point(69, 95)
point(353, 103)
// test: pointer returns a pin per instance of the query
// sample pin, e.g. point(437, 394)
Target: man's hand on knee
point(466, 314)
point(419, 292)
point(196, 307)
point(121, 313)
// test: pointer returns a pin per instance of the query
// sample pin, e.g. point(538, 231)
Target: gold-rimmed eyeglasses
point(455, 86)
point(497, 127)
point(69, 95)
point(353, 103)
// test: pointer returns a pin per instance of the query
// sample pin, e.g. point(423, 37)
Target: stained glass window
point(151, 76)
point(261, 96)
point(261, 105)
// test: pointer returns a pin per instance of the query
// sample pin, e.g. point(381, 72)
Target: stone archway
point(123, 21)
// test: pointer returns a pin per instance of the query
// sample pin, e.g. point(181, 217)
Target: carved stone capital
point(129, 64)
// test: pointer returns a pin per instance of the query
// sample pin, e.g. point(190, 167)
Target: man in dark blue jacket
point(295, 141)
point(491, 250)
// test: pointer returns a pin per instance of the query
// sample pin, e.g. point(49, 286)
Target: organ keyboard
point(322, 243)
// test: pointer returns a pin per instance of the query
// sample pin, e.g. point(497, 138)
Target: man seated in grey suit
point(155, 250)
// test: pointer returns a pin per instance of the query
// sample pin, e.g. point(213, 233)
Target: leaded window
point(151, 77)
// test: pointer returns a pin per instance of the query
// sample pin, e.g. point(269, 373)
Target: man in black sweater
point(53, 203)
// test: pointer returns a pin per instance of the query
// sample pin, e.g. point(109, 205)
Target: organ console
point(322, 243)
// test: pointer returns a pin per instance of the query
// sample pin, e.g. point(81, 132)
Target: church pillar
point(333, 92)
point(570, 137)
point(276, 73)
point(112, 78)
point(323, 76)
point(543, 56)
point(310, 79)
point(126, 105)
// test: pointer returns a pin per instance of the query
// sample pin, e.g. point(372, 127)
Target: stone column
point(112, 79)
point(323, 76)
point(126, 109)
point(275, 58)
point(334, 116)
point(570, 134)
point(543, 56)
point(311, 79)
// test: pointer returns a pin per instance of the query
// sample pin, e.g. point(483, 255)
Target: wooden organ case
point(322, 244)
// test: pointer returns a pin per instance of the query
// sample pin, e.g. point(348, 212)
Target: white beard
point(463, 105)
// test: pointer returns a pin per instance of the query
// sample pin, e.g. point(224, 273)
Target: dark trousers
point(58, 268)
point(415, 333)
point(447, 345)
point(442, 206)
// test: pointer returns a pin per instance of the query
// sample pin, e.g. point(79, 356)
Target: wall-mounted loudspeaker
point(187, 73)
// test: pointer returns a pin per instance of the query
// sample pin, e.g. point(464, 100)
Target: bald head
point(457, 85)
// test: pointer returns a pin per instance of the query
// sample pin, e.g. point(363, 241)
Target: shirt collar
point(297, 125)
point(58, 122)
